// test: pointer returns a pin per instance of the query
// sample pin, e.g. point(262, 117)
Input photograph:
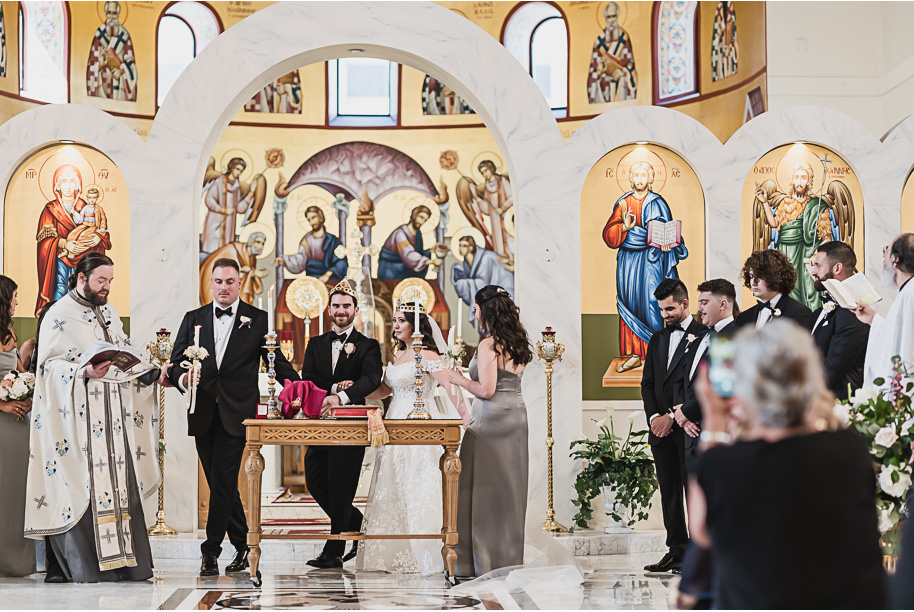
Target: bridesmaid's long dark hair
point(428, 339)
point(7, 288)
point(499, 318)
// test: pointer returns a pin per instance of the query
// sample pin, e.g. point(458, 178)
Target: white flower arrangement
point(453, 355)
point(349, 348)
point(197, 353)
point(17, 386)
point(245, 322)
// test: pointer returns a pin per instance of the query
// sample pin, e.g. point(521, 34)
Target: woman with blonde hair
point(784, 499)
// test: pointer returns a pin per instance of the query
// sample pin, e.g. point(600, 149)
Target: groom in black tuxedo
point(233, 333)
point(346, 364)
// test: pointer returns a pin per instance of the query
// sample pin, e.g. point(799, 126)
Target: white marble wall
point(163, 177)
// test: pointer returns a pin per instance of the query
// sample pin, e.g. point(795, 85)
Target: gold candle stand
point(271, 346)
point(160, 351)
point(419, 410)
point(549, 351)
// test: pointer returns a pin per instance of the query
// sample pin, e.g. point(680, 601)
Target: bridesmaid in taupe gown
point(17, 554)
point(492, 491)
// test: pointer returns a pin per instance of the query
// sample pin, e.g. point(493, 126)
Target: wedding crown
point(410, 306)
point(344, 287)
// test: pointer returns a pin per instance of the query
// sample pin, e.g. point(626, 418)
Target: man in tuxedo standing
point(347, 365)
point(839, 334)
point(771, 277)
point(661, 369)
point(716, 309)
point(232, 332)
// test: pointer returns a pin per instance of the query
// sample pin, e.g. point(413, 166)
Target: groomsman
point(771, 277)
point(347, 364)
point(661, 368)
point(232, 332)
point(716, 310)
point(840, 336)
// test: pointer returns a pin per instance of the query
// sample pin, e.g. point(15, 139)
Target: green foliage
point(621, 464)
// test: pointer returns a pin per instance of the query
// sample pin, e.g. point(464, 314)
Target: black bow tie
point(334, 337)
point(227, 312)
point(766, 305)
point(680, 327)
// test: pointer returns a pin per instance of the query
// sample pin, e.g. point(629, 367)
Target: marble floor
point(616, 582)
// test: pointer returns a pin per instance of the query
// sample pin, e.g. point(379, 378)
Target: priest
point(93, 439)
point(892, 335)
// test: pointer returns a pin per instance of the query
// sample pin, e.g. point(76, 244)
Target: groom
point(332, 472)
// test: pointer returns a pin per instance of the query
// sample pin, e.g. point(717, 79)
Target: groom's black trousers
point(332, 474)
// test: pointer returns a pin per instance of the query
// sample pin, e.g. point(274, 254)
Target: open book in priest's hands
point(123, 357)
point(664, 234)
point(850, 291)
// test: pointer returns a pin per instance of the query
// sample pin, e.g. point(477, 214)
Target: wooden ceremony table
point(340, 432)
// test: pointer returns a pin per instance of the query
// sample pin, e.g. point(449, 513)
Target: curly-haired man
point(771, 277)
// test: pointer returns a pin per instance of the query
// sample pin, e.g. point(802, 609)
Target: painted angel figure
point(492, 199)
point(796, 223)
point(225, 195)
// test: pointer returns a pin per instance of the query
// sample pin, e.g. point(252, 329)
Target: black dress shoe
point(55, 578)
point(352, 553)
point(676, 569)
point(209, 566)
point(668, 562)
point(239, 563)
point(325, 561)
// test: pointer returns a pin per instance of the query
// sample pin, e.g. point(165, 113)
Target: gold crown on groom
point(345, 288)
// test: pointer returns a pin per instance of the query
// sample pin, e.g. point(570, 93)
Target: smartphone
point(720, 369)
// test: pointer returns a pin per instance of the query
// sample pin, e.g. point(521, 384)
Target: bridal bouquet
point(17, 386)
point(884, 418)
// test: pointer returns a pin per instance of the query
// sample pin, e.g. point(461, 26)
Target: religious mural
point(280, 96)
point(111, 71)
point(75, 200)
point(439, 99)
point(2, 43)
point(355, 203)
point(724, 48)
point(612, 75)
point(650, 206)
point(907, 205)
point(797, 197)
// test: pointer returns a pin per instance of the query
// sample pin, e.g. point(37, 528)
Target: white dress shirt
point(336, 350)
point(822, 316)
point(766, 313)
point(705, 343)
point(675, 338)
point(222, 331)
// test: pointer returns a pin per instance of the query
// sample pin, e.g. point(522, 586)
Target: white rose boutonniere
point(776, 312)
point(349, 347)
point(690, 338)
point(828, 307)
point(245, 322)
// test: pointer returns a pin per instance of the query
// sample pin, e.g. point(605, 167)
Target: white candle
point(260, 303)
point(270, 309)
point(307, 331)
point(197, 336)
point(459, 318)
point(416, 325)
point(320, 323)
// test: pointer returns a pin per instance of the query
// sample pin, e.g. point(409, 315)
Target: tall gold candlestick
point(549, 351)
point(271, 346)
point(160, 351)
point(419, 410)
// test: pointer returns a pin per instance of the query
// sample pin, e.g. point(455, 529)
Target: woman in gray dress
point(492, 491)
point(17, 554)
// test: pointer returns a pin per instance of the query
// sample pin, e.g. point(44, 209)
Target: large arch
point(430, 38)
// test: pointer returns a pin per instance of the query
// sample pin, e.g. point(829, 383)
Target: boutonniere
point(827, 307)
point(691, 338)
point(776, 312)
point(349, 347)
point(245, 322)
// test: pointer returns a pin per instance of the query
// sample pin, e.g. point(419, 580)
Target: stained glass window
point(676, 49)
point(43, 51)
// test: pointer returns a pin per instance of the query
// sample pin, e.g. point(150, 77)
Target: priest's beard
point(97, 298)
point(887, 276)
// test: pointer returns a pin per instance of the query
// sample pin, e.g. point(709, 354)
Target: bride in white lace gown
point(405, 495)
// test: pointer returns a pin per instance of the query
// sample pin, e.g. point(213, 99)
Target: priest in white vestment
point(892, 335)
point(93, 439)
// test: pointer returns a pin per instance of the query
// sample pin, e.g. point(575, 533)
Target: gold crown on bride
point(410, 306)
point(345, 288)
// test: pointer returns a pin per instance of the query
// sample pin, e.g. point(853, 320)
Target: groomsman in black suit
point(839, 334)
point(716, 310)
point(232, 332)
point(347, 365)
point(661, 368)
point(771, 277)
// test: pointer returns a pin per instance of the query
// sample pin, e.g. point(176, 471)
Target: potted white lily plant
point(618, 467)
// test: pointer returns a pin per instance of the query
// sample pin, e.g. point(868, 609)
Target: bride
point(405, 495)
